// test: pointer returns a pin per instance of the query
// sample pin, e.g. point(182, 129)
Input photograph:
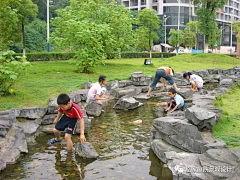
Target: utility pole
point(48, 45)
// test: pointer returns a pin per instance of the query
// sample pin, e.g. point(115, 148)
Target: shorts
point(200, 86)
point(160, 73)
point(174, 104)
point(66, 122)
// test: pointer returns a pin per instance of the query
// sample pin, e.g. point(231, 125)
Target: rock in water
point(94, 109)
point(126, 102)
point(86, 150)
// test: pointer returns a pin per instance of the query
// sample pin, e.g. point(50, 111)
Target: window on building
point(155, 7)
point(126, 3)
point(154, 1)
point(143, 2)
point(170, 1)
point(133, 2)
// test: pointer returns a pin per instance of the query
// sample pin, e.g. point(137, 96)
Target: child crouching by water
point(97, 90)
point(176, 101)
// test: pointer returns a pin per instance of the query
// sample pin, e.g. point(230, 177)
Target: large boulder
point(93, 109)
point(213, 164)
point(112, 85)
point(139, 79)
point(29, 128)
point(213, 78)
point(179, 133)
point(86, 85)
point(52, 106)
point(30, 113)
point(127, 91)
point(160, 147)
point(48, 119)
point(8, 115)
point(186, 93)
point(201, 117)
point(203, 72)
point(226, 83)
point(126, 103)
point(181, 82)
point(125, 83)
point(12, 145)
point(203, 100)
point(86, 150)
point(5, 125)
point(78, 95)
point(218, 91)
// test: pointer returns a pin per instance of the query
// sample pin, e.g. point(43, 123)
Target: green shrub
point(146, 55)
point(11, 67)
point(48, 56)
point(52, 56)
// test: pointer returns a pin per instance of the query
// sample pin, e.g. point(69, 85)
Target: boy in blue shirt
point(176, 101)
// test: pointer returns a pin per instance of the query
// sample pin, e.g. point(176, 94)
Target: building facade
point(225, 16)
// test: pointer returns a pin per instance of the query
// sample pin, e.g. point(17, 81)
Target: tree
point(14, 15)
point(92, 29)
point(236, 29)
point(175, 38)
point(42, 8)
point(193, 26)
point(206, 17)
point(36, 33)
point(189, 38)
point(149, 20)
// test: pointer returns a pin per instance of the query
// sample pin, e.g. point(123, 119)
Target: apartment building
point(225, 16)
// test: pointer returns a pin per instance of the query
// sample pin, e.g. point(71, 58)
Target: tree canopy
point(93, 29)
point(149, 24)
point(14, 15)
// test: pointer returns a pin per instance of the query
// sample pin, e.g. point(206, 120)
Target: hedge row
point(47, 56)
point(64, 55)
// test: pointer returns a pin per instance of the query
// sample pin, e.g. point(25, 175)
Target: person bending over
point(166, 73)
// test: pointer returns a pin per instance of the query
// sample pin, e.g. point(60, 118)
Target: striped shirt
point(73, 112)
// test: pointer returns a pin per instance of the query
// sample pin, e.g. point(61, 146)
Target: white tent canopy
point(166, 45)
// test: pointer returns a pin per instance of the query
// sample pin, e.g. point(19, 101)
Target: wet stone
point(86, 150)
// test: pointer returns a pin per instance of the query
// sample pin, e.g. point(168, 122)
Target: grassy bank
point(228, 127)
point(48, 79)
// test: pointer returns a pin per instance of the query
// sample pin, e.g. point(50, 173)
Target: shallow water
point(124, 151)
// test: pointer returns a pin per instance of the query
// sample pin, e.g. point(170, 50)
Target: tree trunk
point(176, 50)
point(24, 43)
point(150, 49)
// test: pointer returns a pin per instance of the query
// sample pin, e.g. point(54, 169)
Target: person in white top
point(97, 90)
point(195, 80)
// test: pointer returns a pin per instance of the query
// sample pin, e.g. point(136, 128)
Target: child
point(96, 90)
point(195, 80)
point(71, 114)
point(166, 73)
point(176, 101)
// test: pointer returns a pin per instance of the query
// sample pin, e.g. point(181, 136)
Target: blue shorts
point(161, 73)
point(66, 122)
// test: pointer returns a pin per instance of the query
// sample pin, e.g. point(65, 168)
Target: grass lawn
point(228, 127)
point(49, 79)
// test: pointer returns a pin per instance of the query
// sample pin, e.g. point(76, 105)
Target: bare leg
point(163, 104)
point(175, 87)
point(68, 141)
point(57, 134)
point(149, 91)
